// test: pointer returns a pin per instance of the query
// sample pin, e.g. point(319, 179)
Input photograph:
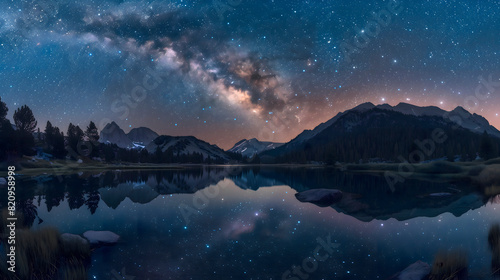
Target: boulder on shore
point(68, 238)
point(101, 237)
point(320, 197)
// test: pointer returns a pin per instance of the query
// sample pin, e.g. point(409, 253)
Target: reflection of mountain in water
point(410, 207)
point(162, 183)
point(137, 192)
point(366, 197)
point(251, 179)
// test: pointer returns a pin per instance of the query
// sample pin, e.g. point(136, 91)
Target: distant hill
point(385, 133)
point(253, 146)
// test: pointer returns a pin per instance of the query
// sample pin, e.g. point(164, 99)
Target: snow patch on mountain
point(253, 146)
point(182, 145)
point(137, 138)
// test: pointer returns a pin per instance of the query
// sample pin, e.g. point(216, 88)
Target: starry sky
point(224, 70)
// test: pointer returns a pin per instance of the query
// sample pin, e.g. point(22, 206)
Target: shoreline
point(436, 170)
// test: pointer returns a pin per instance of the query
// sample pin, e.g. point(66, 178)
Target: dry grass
point(494, 237)
point(449, 265)
point(494, 243)
point(37, 253)
point(42, 254)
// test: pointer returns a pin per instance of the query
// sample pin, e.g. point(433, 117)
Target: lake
point(245, 222)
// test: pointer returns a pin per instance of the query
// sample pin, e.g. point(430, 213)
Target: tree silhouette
point(92, 201)
point(25, 120)
point(26, 124)
point(92, 135)
point(58, 150)
point(3, 109)
point(74, 136)
point(49, 134)
point(6, 131)
point(54, 140)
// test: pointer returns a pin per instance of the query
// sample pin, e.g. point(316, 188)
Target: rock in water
point(101, 237)
point(320, 197)
point(416, 271)
point(440, 194)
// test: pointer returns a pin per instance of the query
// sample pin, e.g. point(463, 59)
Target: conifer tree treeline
point(19, 141)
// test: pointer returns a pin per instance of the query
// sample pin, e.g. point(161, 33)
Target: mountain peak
point(364, 106)
point(110, 127)
point(142, 135)
point(112, 133)
point(460, 109)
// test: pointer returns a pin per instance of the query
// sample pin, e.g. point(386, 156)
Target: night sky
point(224, 70)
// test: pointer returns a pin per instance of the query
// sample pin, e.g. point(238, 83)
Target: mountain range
point(366, 132)
point(459, 116)
point(386, 133)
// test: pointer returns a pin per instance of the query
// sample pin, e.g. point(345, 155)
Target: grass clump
point(44, 254)
point(494, 243)
point(37, 253)
point(449, 265)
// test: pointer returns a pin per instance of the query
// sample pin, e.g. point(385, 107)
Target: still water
point(245, 223)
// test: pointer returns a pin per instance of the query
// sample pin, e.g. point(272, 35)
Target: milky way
point(223, 70)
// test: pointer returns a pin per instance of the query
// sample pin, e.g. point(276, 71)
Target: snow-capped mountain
point(142, 135)
point(253, 146)
point(137, 138)
point(112, 133)
point(183, 145)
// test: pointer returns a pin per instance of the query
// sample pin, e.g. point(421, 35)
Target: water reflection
point(251, 219)
point(366, 197)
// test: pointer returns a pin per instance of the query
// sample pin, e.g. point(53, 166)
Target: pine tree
point(25, 120)
point(92, 135)
point(3, 109)
point(49, 134)
point(74, 137)
point(26, 124)
point(6, 131)
point(58, 149)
